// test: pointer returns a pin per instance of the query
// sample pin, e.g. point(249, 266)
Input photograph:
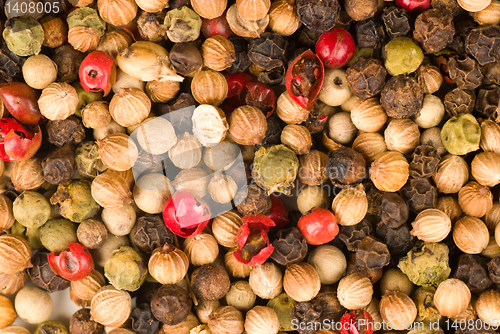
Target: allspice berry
point(210, 282)
point(171, 304)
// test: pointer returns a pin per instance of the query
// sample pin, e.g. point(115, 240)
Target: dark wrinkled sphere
point(402, 97)
point(494, 270)
point(68, 61)
point(59, 165)
point(352, 235)
point(146, 292)
point(459, 101)
point(10, 64)
point(68, 131)
point(397, 21)
point(345, 167)
point(268, 51)
point(420, 194)
point(393, 210)
point(186, 58)
point(483, 43)
point(273, 133)
point(307, 39)
point(327, 300)
point(399, 240)
point(143, 321)
point(372, 253)
point(316, 120)
point(307, 312)
point(465, 72)
point(252, 200)
point(42, 275)
point(242, 62)
point(318, 15)
point(451, 5)
point(491, 73)
point(210, 282)
point(369, 34)
point(434, 29)
point(150, 232)
point(366, 77)
point(80, 323)
point(171, 304)
point(471, 269)
point(179, 112)
point(373, 274)
point(488, 101)
point(272, 78)
point(290, 247)
point(424, 162)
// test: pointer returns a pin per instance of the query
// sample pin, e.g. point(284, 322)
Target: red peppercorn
point(278, 212)
point(216, 26)
point(356, 322)
point(74, 264)
point(414, 6)
point(16, 142)
point(253, 242)
point(318, 226)
point(335, 48)
point(97, 72)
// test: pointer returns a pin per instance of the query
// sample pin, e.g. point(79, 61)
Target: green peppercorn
point(51, 327)
point(24, 36)
point(57, 234)
point(402, 56)
point(183, 25)
point(126, 269)
point(31, 209)
point(461, 134)
point(86, 17)
point(32, 235)
point(73, 200)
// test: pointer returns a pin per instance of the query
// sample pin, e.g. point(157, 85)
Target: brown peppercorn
point(80, 323)
point(429, 78)
point(171, 304)
point(68, 131)
point(42, 275)
point(393, 210)
point(26, 175)
point(491, 73)
point(186, 58)
point(345, 167)
point(420, 194)
point(371, 253)
point(483, 43)
point(150, 232)
point(434, 29)
point(398, 240)
point(312, 168)
point(366, 77)
point(59, 165)
point(268, 51)
point(68, 61)
point(465, 72)
point(369, 34)
point(210, 282)
point(307, 313)
point(242, 62)
point(397, 21)
point(290, 247)
point(425, 160)
point(55, 31)
point(150, 26)
point(488, 101)
point(252, 200)
point(402, 97)
point(317, 15)
point(92, 233)
point(360, 10)
point(494, 270)
point(472, 270)
point(352, 235)
point(353, 267)
point(459, 101)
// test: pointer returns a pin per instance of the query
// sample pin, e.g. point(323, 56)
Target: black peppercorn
point(150, 26)
point(242, 62)
point(318, 15)
point(331, 308)
point(68, 61)
point(10, 64)
point(80, 323)
point(171, 304)
point(402, 97)
point(272, 78)
point(369, 34)
point(345, 167)
point(344, 20)
point(210, 282)
point(451, 5)
point(465, 72)
point(150, 232)
point(459, 101)
point(268, 51)
point(316, 120)
point(42, 275)
point(366, 77)
point(352, 235)
point(290, 247)
point(472, 270)
point(434, 29)
point(273, 132)
point(420, 194)
point(371, 253)
point(186, 58)
point(491, 73)
point(143, 321)
point(397, 21)
point(393, 210)
point(494, 270)
point(68, 131)
point(483, 43)
point(252, 200)
point(307, 38)
point(399, 240)
point(353, 266)
point(307, 313)
point(425, 160)
point(146, 292)
point(488, 101)
point(59, 166)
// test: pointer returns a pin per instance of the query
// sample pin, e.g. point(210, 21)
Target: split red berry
point(253, 242)
point(356, 322)
point(21, 101)
point(17, 142)
point(73, 264)
point(97, 72)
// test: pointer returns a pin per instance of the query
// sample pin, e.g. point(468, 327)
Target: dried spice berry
point(171, 304)
point(352, 235)
point(472, 270)
point(68, 61)
point(494, 270)
point(150, 26)
point(59, 165)
point(273, 133)
point(318, 15)
point(488, 101)
point(397, 21)
point(399, 240)
point(273, 77)
point(186, 58)
point(252, 200)
point(68, 131)
point(459, 101)
point(242, 62)
point(491, 73)
point(330, 306)
point(371, 253)
point(150, 232)
point(10, 64)
point(465, 72)
point(43, 276)
point(425, 160)
point(369, 34)
point(143, 321)
point(307, 313)
point(267, 51)
point(402, 97)
point(290, 247)
point(316, 120)
point(420, 194)
point(73, 200)
point(393, 210)
point(345, 167)
point(483, 43)
point(80, 323)
point(366, 77)
point(434, 29)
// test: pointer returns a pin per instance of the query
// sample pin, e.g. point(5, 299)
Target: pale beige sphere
point(39, 71)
